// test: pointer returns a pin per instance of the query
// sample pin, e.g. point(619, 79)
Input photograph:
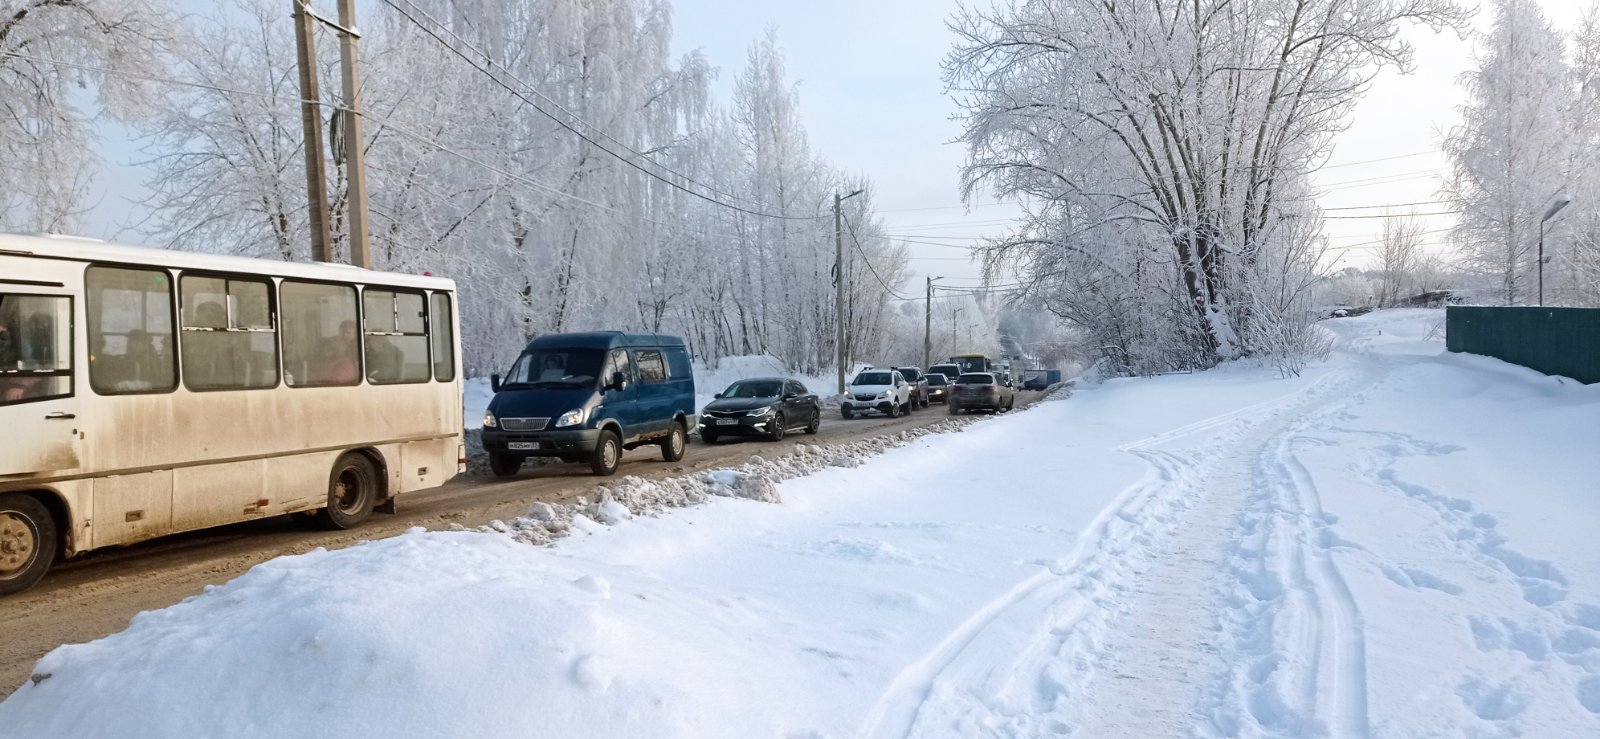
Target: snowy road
point(1398, 543)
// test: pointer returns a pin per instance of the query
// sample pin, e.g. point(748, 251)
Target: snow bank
point(1398, 543)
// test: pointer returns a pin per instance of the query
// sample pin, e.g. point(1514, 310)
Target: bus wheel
point(27, 542)
point(352, 491)
point(504, 465)
point(607, 454)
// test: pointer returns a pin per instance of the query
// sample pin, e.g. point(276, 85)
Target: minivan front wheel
point(607, 454)
point(504, 465)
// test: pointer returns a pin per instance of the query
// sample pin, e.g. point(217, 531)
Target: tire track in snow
point(1294, 660)
point(1057, 621)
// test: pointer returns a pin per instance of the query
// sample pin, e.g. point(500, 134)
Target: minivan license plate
point(521, 445)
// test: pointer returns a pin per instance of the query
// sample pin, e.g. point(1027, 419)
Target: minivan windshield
point(754, 389)
point(910, 374)
point(556, 368)
point(872, 378)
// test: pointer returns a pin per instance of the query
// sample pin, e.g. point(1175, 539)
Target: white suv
point(882, 390)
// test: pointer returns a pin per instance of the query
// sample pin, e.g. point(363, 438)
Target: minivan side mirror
point(494, 382)
point(619, 381)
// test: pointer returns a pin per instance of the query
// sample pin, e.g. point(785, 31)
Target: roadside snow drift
point(1399, 543)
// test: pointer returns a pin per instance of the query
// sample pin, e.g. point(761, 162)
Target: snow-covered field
point(1399, 543)
point(708, 382)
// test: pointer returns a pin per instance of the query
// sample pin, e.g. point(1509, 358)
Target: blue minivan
point(587, 397)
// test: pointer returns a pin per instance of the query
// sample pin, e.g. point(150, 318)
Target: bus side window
point(396, 336)
point(441, 334)
point(35, 348)
point(321, 341)
point(229, 340)
point(130, 331)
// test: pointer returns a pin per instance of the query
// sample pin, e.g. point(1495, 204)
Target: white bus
point(145, 392)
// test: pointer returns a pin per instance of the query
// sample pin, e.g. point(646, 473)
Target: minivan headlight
point(489, 421)
point(574, 417)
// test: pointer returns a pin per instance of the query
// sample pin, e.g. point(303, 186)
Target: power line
point(1380, 159)
point(852, 229)
point(1392, 215)
point(389, 124)
point(596, 144)
point(1389, 205)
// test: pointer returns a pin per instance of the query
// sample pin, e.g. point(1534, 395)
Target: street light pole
point(1561, 201)
point(839, 282)
point(927, 324)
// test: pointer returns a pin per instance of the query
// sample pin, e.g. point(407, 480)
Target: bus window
point(35, 348)
point(441, 329)
point(396, 337)
point(229, 341)
point(321, 345)
point(130, 331)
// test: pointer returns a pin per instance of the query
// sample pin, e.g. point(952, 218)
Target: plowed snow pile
point(1399, 543)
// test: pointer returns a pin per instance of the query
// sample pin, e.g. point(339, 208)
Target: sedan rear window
point(975, 379)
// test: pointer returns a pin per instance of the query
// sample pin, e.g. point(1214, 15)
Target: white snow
point(1399, 543)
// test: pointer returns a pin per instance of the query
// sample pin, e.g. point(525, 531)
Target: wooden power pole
point(351, 150)
point(311, 121)
point(354, 143)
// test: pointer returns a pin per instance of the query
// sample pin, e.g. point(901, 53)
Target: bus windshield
point(556, 368)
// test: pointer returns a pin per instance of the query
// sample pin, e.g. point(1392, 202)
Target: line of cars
point(589, 397)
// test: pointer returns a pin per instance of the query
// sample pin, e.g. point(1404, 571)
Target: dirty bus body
point(145, 392)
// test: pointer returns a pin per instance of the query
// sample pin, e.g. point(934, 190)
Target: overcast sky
point(873, 103)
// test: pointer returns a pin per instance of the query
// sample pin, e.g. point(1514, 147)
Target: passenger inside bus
point(339, 363)
point(12, 388)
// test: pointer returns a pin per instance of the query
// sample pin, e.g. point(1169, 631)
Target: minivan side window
point(678, 363)
point(651, 366)
point(618, 362)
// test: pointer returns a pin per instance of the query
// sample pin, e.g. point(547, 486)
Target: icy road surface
point(1399, 543)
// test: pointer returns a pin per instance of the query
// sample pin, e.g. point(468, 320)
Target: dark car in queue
point(938, 387)
point(766, 407)
point(919, 386)
point(980, 391)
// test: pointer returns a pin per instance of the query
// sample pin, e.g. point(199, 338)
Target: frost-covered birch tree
point(46, 128)
point(550, 157)
point(1509, 154)
point(1165, 146)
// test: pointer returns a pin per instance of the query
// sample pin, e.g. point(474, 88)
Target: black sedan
point(768, 407)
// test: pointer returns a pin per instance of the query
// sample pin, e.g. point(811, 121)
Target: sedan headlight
point(759, 412)
point(489, 421)
point(574, 417)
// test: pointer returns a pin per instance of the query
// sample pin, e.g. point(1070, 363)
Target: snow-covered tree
point(46, 130)
point(1509, 155)
point(1165, 147)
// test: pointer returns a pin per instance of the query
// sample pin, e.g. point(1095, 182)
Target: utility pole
point(927, 324)
point(354, 153)
point(351, 152)
point(839, 281)
point(311, 121)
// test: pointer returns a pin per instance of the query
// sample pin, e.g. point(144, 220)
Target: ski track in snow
point(1062, 622)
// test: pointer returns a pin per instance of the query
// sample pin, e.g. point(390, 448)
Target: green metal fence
point(1555, 341)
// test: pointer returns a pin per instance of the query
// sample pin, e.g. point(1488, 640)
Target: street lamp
point(1560, 202)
